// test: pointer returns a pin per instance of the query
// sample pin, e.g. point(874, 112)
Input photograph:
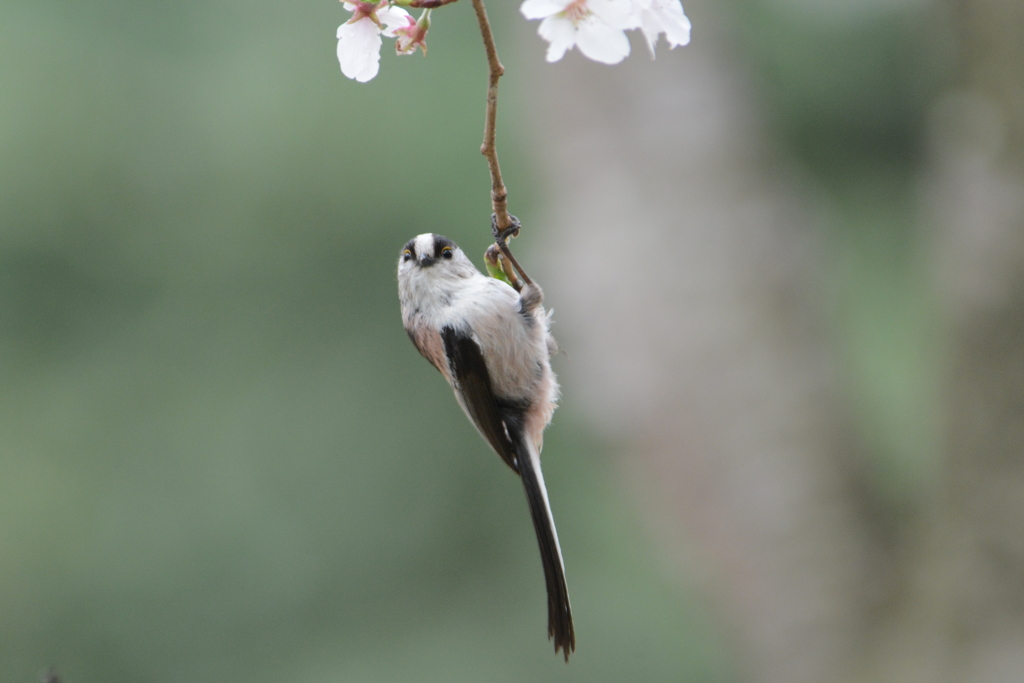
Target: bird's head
point(434, 257)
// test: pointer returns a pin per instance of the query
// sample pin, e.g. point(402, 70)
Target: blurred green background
point(220, 457)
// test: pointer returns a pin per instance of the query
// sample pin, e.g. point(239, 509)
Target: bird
point(493, 345)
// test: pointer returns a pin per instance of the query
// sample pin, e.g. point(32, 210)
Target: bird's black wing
point(473, 383)
point(501, 423)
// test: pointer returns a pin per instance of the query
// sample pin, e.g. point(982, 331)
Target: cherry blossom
point(596, 26)
point(655, 17)
point(413, 35)
point(359, 38)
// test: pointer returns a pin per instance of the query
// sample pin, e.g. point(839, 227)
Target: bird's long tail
point(559, 614)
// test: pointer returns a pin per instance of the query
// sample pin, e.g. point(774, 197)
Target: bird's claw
point(501, 236)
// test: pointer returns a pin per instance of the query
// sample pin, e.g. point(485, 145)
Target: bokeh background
point(787, 269)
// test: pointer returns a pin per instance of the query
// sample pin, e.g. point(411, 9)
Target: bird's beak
point(426, 261)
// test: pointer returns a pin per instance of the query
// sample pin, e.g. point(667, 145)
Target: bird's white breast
point(514, 349)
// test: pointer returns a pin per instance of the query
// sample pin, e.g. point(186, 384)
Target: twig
point(505, 251)
point(426, 4)
point(499, 195)
point(499, 266)
point(506, 266)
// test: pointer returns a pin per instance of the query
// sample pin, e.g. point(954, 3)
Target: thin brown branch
point(505, 251)
point(426, 4)
point(499, 194)
point(498, 262)
point(506, 266)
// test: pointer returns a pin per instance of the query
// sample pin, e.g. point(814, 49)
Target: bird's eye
point(406, 255)
point(447, 252)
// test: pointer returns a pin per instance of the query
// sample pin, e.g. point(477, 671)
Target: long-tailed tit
point(493, 345)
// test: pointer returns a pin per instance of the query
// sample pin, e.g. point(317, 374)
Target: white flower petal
point(663, 16)
point(652, 28)
point(359, 49)
point(393, 18)
point(601, 42)
point(616, 13)
point(561, 35)
point(677, 25)
point(539, 9)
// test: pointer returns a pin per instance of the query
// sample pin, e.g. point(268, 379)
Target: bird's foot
point(502, 235)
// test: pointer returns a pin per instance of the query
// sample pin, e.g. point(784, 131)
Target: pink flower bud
point(413, 35)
